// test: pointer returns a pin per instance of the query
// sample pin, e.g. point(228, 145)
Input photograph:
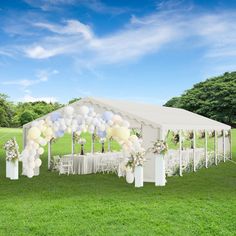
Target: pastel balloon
point(55, 116)
point(34, 133)
point(107, 116)
point(40, 151)
point(38, 162)
point(69, 110)
point(84, 110)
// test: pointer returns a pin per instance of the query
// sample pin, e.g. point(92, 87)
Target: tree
point(26, 117)
point(6, 111)
point(214, 98)
point(74, 100)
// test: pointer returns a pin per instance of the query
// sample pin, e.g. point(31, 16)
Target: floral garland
point(11, 147)
point(160, 147)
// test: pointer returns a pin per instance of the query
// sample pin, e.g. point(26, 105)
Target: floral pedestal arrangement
point(160, 175)
point(129, 175)
point(160, 148)
point(12, 155)
point(138, 173)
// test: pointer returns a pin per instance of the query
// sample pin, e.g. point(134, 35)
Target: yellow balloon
point(34, 133)
point(48, 132)
point(121, 133)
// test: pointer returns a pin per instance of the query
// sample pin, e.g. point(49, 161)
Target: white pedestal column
point(138, 173)
point(8, 173)
point(14, 170)
point(160, 173)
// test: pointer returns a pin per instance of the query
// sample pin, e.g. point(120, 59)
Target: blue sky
point(143, 50)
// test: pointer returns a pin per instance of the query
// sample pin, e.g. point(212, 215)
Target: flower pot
point(160, 173)
point(138, 173)
point(129, 176)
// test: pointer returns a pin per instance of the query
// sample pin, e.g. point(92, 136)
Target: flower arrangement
point(175, 138)
point(212, 134)
point(137, 132)
point(136, 159)
point(160, 147)
point(221, 133)
point(102, 141)
point(11, 147)
point(76, 137)
point(201, 134)
point(82, 141)
point(190, 135)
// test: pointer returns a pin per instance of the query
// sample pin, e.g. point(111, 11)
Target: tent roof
point(158, 116)
point(154, 115)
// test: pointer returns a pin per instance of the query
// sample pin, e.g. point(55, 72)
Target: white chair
point(66, 165)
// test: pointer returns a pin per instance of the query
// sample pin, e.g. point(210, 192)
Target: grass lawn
point(201, 203)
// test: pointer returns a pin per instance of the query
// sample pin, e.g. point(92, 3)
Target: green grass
point(201, 203)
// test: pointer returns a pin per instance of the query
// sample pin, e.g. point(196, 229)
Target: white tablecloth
point(96, 162)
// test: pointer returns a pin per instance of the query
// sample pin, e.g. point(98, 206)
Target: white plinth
point(138, 175)
point(14, 170)
point(8, 173)
point(160, 173)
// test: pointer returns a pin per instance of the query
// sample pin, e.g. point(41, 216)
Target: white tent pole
point(215, 147)
point(224, 145)
point(49, 154)
point(194, 153)
point(206, 151)
point(73, 144)
point(180, 153)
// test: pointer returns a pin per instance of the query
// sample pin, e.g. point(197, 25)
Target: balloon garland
point(70, 120)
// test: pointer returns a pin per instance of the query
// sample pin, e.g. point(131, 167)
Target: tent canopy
point(154, 115)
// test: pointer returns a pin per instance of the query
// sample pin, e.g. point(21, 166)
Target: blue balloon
point(107, 116)
point(59, 133)
point(55, 116)
point(101, 134)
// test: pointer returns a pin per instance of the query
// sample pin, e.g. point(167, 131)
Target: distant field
point(201, 203)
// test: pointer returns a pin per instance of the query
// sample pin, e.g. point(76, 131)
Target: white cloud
point(29, 98)
point(41, 76)
point(216, 32)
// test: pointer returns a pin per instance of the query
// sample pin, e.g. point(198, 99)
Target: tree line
point(18, 114)
point(214, 98)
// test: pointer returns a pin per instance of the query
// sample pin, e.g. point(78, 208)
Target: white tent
point(153, 121)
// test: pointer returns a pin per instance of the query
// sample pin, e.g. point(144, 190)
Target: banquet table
point(93, 162)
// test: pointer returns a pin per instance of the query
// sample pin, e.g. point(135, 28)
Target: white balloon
point(48, 132)
point(30, 173)
point(40, 151)
point(83, 110)
point(38, 162)
point(68, 111)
